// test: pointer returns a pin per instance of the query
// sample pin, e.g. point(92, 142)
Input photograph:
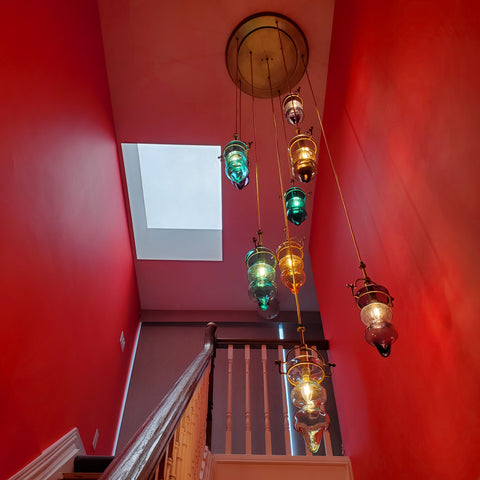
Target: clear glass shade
point(311, 424)
point(290, 261)
point(305, 372)
point(295, 204)
point(261, 263)
point(293, 108)
point(235, 155)
point(303, 151)
point(376, 312)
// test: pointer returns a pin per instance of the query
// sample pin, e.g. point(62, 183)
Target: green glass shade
point(295, 204)
point(236, 161)
point(261, 263)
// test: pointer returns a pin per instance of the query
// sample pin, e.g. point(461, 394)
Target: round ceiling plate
point(261, 37)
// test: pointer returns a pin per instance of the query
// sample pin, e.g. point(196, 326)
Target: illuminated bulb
point(376, 312)
point(236, 162)
point(308, 395)
point(303, 152)
point(293, 108)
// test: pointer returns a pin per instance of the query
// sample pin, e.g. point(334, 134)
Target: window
point(175, 200)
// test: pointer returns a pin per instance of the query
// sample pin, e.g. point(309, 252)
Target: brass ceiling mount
point(259, 34)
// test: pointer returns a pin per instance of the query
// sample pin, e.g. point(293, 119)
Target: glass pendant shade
point(235, 155)
point(290, 261)
point(295, 203)
point(241, 184)
point(261, 263)
point(303, 152)
point(293, 108)
point(376, 313)
point(381, 335)
point(305, 372)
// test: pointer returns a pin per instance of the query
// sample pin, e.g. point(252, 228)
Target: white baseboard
point(54, 460)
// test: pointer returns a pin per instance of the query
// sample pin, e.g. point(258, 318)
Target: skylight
point(175, 200)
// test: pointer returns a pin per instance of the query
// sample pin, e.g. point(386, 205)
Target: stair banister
point(147, 447)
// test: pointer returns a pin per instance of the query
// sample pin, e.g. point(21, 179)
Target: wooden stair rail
point(147, 447)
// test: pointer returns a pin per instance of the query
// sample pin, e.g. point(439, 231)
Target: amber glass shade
point(261, 263)
point(293, 108)
point(236, 162)
point(295, 205)
point(303, 151)
point(290, 261)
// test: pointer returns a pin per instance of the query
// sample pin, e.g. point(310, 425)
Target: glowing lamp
point(261, 263)
point(305, 371)
point(292, 106)
point(375, 303)
point(303, 150)
point(290, 261)
point(295, 204)
point(236, 162)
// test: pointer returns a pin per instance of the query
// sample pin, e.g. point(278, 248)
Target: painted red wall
point(402, 116)
point(67, 278)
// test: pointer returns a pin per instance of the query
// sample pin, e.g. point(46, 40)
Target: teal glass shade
point(235, 155)
point(295, 203)
point(261, 263)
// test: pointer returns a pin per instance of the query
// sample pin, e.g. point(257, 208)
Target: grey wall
point(170, 340)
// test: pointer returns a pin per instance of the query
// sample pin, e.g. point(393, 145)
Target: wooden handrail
point(146, 448)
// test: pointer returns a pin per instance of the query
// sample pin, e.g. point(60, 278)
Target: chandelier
point(267, 56)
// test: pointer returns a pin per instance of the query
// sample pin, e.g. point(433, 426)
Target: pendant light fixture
point(303, 152)
point(295, 200)
point(235, 156)
point(305, 370)
point(235, 153)
point(374, 300)
point(292, 105)
point(304, 367)
point(290, 261)
point(261, 263)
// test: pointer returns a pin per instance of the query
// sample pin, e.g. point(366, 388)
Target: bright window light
point(176, 200)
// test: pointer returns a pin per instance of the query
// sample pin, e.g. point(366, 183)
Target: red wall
point(67, 278)
point(402, 116)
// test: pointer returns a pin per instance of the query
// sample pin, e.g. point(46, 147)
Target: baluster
point(248, 426)
point(328, 443)
point(228, 434)
point(268, 433)
point(286, 425)
point(176, 447)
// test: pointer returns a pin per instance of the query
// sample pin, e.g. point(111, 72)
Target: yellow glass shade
point(290, 261)
point(303, 151)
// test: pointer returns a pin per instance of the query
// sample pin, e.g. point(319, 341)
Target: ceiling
point(169, 84)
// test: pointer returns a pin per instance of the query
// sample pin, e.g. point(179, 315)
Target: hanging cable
point(300, 327)
point(255, 148)
point(332, 165)
point(286, 75)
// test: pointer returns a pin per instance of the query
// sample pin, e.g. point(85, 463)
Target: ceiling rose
point(259, 35)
